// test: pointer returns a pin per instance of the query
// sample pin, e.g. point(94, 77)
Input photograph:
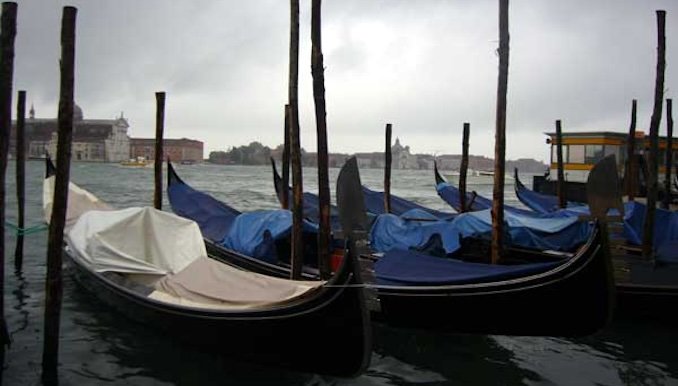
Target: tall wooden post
point(297, 258)
point(58, 220)
point(20, 177)
point(500, 136)
point(463, 170)
point(648, 226)
point(7, 35)
point(669, 154)
point(318, 72)
point(387, 169)
point(561, 174)
point(285, 193)
point(159, 152)
point(632, 165)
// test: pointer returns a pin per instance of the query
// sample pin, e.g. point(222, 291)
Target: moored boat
point(153, 267)
point(561, 297)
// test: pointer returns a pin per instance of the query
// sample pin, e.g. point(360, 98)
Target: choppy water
point(99, 346)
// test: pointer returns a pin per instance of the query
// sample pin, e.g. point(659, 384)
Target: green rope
point(26, 231)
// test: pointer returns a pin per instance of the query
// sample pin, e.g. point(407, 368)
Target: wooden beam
point(562, 202)
point(632, 165)
point(285, 193)
point(159, 152)
point(20, 151)
point(7, 37)
point(500, 136)
point(463, 170)
point(318, 73)
point(648, 226)
point(388, 160)
point(57, 223)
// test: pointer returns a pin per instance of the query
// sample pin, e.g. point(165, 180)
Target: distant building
point(178, 150)
point(96, 140)
point(402, 158)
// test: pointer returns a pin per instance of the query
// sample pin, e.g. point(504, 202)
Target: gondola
point(569, 297)
point(474, 202)
point(374, 202)
point(152, 266)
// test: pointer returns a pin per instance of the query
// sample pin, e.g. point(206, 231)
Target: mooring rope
point(26, 231)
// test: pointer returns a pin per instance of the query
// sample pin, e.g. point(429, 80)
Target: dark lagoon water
point(99, 346)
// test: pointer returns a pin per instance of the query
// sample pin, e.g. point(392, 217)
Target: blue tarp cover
point(407, 268)
point(213, 216)
point(391, 232)
point(254, 233)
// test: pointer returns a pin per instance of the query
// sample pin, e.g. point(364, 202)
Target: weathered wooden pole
point(632, 165)
point(463, 169)
point(318, 73)
point(159, 152)
point(387, 169)
point(648, 226)
point(55, 241)
point(297, 258)
point(669, 154)
point(285, 193)
point(20, 151)
point(561, 174)
point(500, 136)
point(7, 35)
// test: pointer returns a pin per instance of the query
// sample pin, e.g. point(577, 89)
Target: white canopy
point(136, 240)
point(79, 201)
point(150, 241)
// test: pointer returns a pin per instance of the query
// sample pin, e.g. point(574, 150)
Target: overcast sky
point(426, 66)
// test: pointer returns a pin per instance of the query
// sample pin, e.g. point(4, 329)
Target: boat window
point(554, 154)
point(576, 154)
point(594, 153)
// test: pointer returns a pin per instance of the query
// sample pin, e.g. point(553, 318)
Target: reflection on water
point(99, 346)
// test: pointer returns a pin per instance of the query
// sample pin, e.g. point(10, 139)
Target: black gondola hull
point(337, 317)
point(576, 300)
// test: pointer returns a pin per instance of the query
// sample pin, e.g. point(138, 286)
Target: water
point(99, 346)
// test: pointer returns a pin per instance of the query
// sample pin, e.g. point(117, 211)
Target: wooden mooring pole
point(632, 165)
point(285, 193)
point(55, 241)
point(666, 203)
point(318, 73)
point(7, 36)
point(500, 136)
point(297, 258)
point(562, 202)
point(463, 169)
point(648, 226)
point(20, 151)
point(387, 169)
point(159, 152)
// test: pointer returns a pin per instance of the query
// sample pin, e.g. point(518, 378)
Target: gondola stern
point(439, 178)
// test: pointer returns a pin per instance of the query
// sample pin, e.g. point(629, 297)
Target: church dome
point(77, 113)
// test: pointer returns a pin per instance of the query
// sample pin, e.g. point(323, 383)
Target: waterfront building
point(178, 150)
point(95, 140)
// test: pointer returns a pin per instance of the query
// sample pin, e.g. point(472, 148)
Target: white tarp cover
point(209, 283)
point(136, 240)
point(79, 201)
